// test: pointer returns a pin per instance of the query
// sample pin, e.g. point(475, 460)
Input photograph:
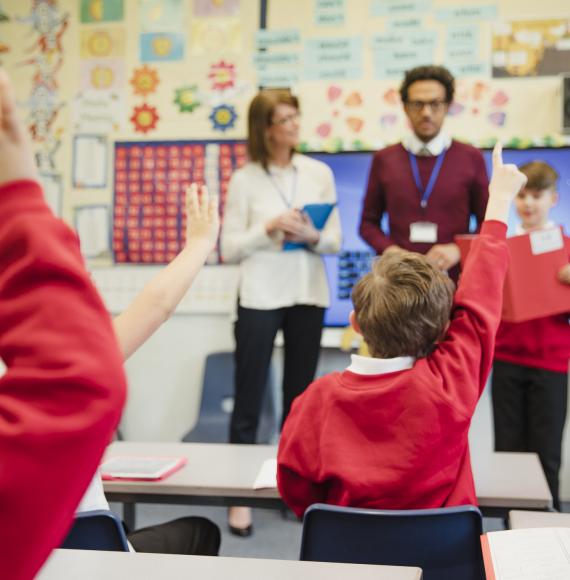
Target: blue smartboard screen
point(351, 175)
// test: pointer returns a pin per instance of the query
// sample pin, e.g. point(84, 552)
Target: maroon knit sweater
point(461, 189)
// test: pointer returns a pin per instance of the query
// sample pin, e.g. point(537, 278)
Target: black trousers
point(529, 410)
point(255, 332)
point(190, 536)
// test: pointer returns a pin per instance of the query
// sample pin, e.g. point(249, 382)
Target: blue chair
point(443, 542)
point(97, 530)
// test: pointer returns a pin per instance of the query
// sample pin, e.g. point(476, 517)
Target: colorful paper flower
point(186, 99)
point(333, 93)
point(102, 77)
point(223, 117)
point(497, 118)
point(144, 118)
point(455, 109)
point(144, 80)
point(222, 75)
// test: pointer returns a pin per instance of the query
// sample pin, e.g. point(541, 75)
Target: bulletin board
point(94, 75)
point(347, 58)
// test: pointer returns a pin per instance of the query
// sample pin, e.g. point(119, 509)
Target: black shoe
point(242, 532)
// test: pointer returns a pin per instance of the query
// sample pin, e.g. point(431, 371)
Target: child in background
point(530, 370)
point(64, 388)
point(391, 431)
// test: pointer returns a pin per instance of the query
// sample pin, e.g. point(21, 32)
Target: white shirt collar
point(519, 230)
point(414, 144)
point(364, 365)
point(293, 166)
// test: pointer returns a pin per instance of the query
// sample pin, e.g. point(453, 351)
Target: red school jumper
point(64, 388)
point(400, 440)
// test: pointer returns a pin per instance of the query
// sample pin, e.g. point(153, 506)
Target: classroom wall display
point(150, 183)
point(529, 48)
point(366, 47)
point(73, 61)
point(90, 161)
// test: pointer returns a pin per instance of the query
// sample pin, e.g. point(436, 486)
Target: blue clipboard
point(319, 214)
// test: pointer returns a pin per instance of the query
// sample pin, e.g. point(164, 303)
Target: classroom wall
point(82, 67)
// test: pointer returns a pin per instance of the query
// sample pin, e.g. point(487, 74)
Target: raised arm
point(159, 298)
point(468, 347)
point(64, 388)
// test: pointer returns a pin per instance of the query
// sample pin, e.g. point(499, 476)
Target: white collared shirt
point(519, 230)
point(365, 365)
point(271, 278)
point(439, 143)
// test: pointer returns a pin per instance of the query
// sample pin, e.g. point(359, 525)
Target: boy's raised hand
point(16, 155)
point(506, 180)
point(202, 217)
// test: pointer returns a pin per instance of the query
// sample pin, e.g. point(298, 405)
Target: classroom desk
point(93, 565)
point(524, 519)
point(505, 481)
point(223, 475)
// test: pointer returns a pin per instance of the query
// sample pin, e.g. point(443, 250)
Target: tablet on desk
point(140, 468)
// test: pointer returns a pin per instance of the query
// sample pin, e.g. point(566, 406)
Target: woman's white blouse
point(270, 277)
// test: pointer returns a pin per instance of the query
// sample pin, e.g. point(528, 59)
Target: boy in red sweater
point(64, 388)
point(391, 431)
point(530, 370)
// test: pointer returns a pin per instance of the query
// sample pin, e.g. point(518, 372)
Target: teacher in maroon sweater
point(429, 185)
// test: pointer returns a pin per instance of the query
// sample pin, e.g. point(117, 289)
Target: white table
point(505, 481)
point(93, 565)
point(223, 475)
point(524, 519)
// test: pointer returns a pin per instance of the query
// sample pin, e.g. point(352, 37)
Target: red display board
point(151, 178)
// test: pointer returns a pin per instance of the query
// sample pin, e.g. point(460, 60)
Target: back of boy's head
point(540, 175)
point(402, 305)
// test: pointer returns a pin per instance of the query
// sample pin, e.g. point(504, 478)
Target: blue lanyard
point(432, 178)
point(287, 202)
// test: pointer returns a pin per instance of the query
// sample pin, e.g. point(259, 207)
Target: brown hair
point(428, 73)
point(403, 305)
point(540, 175)
point(260, 117)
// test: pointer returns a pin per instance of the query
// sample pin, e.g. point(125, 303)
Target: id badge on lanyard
point(425, 232)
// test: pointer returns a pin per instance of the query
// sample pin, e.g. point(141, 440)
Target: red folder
point(532, 289)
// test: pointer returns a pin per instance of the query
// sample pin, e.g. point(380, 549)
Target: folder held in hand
point(532, 289)
point(319, 214)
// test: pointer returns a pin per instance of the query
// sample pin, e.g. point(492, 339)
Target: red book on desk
point(532, 289)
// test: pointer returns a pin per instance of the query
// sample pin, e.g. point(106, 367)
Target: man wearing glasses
point(428, 185)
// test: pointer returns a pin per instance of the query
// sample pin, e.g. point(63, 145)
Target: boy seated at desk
point(391, 431)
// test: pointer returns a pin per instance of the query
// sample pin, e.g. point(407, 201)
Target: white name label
point(543, 241)
point(423, 232)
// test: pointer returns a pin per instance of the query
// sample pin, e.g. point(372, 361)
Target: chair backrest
point(97, 530)
point(443, 542)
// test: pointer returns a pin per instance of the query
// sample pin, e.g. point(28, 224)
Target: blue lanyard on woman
point(425, 193)
point(287, 202)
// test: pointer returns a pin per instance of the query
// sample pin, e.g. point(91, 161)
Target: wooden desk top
point(93, 565)
point(511, 480)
